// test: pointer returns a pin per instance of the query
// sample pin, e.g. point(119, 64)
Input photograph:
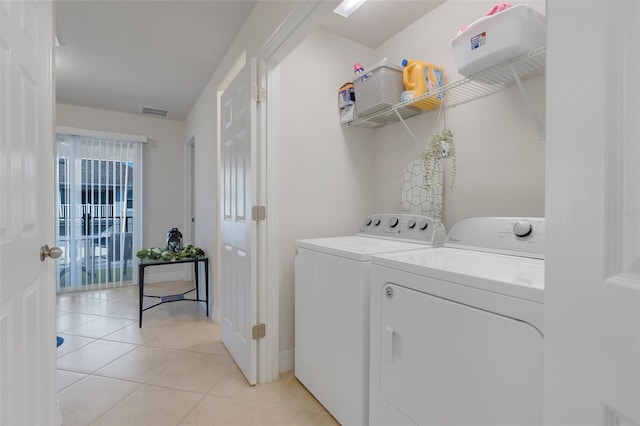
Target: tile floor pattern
point(173, 371)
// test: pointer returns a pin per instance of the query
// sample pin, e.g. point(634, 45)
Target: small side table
point(143, 264)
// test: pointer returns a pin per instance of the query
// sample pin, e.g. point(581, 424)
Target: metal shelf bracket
point(527, 101)
point(413, 136)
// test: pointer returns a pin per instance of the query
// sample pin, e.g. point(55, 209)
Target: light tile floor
point(173, 371)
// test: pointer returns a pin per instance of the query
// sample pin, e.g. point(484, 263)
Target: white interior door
point(238, 247)
point(592, 300)
point(27, 285)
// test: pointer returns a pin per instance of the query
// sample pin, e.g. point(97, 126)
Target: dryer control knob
point(393, 222)
point(522, 228)
point(376, 221)
point(368, 221)
point(423, 224)
point(411, 224)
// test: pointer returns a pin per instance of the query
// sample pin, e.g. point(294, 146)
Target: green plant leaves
point(156, 253)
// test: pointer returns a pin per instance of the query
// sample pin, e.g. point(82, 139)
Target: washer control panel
point(517, 236)
point(404, 227)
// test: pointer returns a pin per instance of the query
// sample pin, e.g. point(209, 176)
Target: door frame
point(190, 198)
point(271, 272)
point(303, 19)
point(298, 24)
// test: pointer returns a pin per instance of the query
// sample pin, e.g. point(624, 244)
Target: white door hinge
point(258, 331)
point(258, 213)
point(258, 93)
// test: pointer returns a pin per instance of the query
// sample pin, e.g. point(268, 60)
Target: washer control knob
point(522, 228)
point(368, 221)
point(423, 224)
point(389, 292)
point(411, 224)
point(393, 222)
point(376, 221)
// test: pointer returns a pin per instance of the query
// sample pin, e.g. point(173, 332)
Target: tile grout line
point(118, 402)
point(177, 319)
point(192, 408)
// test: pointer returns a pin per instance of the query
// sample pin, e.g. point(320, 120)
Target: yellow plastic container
point(422, 77)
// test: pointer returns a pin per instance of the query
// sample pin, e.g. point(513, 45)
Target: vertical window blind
point(99, 209)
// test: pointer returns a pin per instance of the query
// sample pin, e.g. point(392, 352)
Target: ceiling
point(378, 20)
point(125, 55)
point(122, 55)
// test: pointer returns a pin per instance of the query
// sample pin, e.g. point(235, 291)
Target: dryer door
point(444, 363)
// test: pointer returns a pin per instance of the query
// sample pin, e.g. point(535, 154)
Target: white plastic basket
point(496, 38)
point(378, 88)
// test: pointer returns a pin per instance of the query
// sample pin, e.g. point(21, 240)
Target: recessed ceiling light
point(347, 7)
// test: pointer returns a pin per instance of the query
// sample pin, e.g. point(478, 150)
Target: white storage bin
point(378, 88)
point(496, 38)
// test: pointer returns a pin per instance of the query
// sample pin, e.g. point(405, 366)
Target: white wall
point(326, 170)
point(163, 179)
point(500, 160)
point(265, 19)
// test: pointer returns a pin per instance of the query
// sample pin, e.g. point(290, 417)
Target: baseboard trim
point(214, 313)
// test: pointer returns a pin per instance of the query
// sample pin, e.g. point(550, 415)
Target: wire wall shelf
point(476, 86)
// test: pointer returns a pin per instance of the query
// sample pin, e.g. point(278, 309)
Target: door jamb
point(287, 36)
point(189, 205)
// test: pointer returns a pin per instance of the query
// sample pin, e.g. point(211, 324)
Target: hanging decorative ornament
point(439, 148)
point(174, 240)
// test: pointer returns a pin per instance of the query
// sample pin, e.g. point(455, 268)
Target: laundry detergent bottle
point(422, 77)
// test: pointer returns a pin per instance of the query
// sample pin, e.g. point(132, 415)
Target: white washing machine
point(332, 279)
point(456, 331)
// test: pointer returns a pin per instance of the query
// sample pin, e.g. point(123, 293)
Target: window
point(99, 208)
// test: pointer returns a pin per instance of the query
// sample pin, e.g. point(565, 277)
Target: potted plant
point(440, 147)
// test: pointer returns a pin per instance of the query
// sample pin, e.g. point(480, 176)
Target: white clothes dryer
point(332, 279)
point(457, 331)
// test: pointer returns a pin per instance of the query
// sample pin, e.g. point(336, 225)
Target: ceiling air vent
point(158, 112)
